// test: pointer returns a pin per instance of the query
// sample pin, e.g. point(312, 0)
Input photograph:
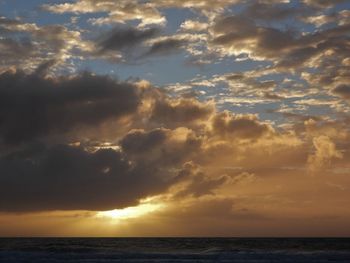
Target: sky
point(175, 118)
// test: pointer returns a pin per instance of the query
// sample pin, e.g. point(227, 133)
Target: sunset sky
point(175, 118)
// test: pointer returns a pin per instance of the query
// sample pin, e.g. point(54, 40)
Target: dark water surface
point(174, 250)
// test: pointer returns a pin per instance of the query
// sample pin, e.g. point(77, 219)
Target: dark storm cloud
point(227, 124)
point(161, 147)
point(139, 141)
point(234, 26)
point(181, 112)
point(32, 106)
point(343, 91)
point(119, 39)
point(70, 178)
point(44, 67)
point(165, 47)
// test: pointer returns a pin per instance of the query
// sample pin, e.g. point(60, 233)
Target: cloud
point(70, 178)
point(239, 34)
point(320, 20)
point(267, 11)
point(287, 49)
point(8, 25)
point(226, 124)
point(323, 3)
point(193, 25)
point(122, 44)
point(179, 148)
point(180, 112)
point(146, 11)
point(164, 47)
point(118, 11)
point(161, 147)
point(168, 45)
point(13, 52)
point(325, 152)
point(33, 107)
point(206, 6)
point(202, 185)
point(342, 91)
point(27, 45)
point(119, 39)
point(82, 173)
point(43, 68)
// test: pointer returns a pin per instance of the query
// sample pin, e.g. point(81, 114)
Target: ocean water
point(174, 250)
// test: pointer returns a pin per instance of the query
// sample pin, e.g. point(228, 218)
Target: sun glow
point(130, 212)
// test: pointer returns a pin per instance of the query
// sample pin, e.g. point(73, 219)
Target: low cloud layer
point(53, 170)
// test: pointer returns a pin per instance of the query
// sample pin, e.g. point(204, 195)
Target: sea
point(174, 250)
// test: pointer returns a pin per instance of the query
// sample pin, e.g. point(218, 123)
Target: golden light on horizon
point(130, 212)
